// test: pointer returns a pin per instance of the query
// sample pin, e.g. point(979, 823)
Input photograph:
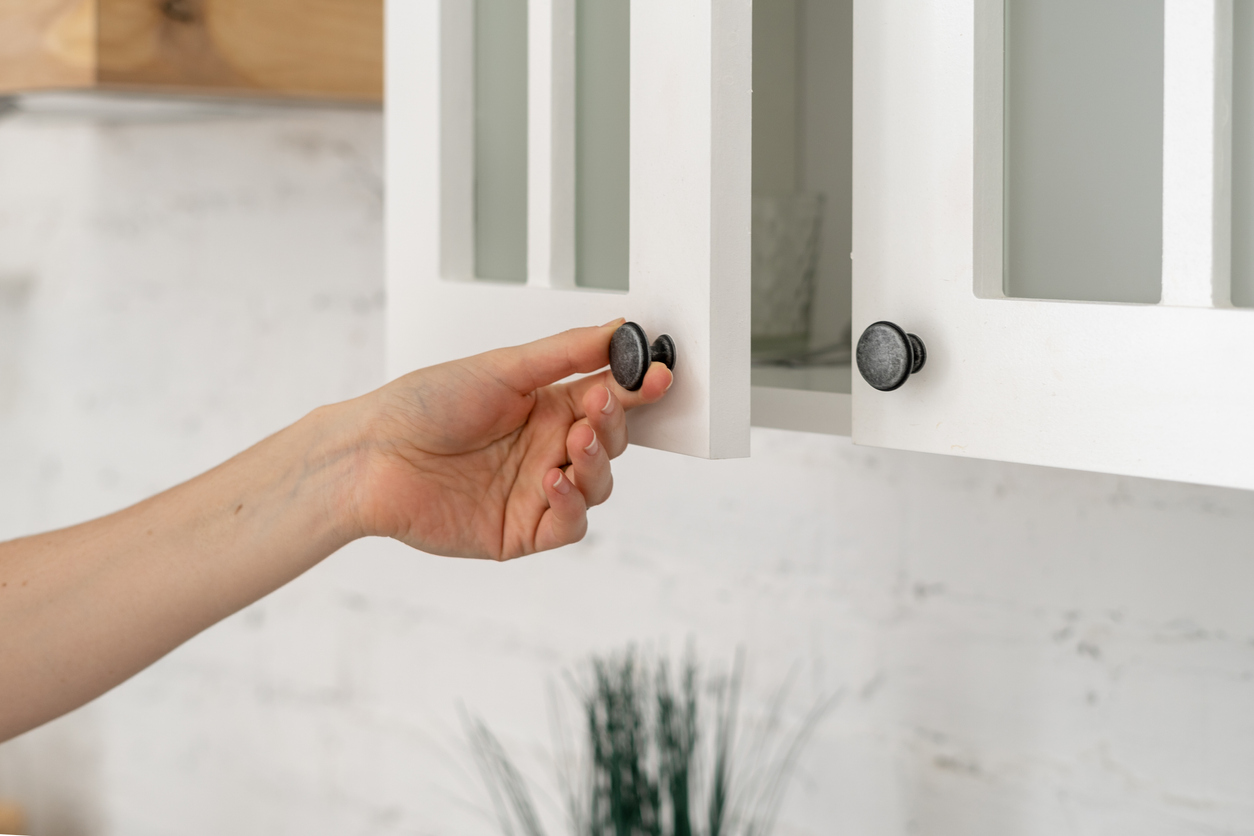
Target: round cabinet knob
point(887, 355)
point(631, 354)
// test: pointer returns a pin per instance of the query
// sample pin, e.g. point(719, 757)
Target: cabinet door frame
point(1161, 391)
point(690, 163)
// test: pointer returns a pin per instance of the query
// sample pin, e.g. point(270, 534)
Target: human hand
point(490, 456)
point(484, 457)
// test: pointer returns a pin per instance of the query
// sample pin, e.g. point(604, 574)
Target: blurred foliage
point(658, 756)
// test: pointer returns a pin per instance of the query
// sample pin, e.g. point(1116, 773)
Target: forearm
point(84, 608)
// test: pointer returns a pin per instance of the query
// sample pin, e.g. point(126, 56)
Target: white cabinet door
point(689, 184)
point(1160, 390)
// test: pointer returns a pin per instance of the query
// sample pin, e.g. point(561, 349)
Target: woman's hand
point(483, 457)
point(490, 456)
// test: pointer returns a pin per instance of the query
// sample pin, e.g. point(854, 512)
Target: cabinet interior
point(802, 146)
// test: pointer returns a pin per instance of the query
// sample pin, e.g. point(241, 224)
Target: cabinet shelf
point(811, 399)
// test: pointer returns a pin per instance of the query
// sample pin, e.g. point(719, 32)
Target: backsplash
point(1017, 650)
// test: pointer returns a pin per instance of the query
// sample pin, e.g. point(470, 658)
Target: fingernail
point(592, 448)
point(618, 321)
point(609, 402)
point(562, 485)
point(670, 383)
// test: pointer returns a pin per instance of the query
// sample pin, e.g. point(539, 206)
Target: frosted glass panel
point(1084, 161)
point(501, 140)
point(1243, 153)
point(602, 121)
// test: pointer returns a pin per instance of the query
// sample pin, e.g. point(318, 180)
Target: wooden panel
point(331, 49)
point(46, 44)
point(12, 819)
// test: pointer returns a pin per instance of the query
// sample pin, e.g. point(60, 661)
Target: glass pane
point(1243, 154)
point(501, 140)
point(801, 212)
point(602, 120)
point(1084, 162)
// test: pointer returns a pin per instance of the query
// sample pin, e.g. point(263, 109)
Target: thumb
point(525, 368)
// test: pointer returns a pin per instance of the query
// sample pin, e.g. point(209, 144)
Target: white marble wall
point(1019, 650)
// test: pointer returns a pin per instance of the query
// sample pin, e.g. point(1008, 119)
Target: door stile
point(1197, 153)
point(731, 163)
point(412, 148)
point(691, 65)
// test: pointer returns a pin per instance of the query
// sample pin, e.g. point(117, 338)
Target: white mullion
point(1197, 145)
point(562, 118)
point(550, 143)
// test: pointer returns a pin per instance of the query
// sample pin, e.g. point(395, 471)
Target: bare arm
point(486, 457)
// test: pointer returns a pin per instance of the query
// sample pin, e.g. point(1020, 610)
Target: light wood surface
point(328, 49)
point(46, 44)
point(12, 819)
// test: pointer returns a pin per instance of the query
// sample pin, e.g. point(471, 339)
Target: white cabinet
point(1162, 390)
point(1059, 210)
point(687, 193)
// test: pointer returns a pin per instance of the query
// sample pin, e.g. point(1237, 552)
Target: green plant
point(653, 764)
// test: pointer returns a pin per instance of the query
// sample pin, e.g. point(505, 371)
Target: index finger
point(525, 368)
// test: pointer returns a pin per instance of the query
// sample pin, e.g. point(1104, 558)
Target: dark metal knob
point(887, 355)
point(631, 354)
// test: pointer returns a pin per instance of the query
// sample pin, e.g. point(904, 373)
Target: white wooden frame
point(689, 193)
point(1150, 390)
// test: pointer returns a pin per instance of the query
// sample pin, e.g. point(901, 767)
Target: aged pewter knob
point(630, 355)
point(887, 355)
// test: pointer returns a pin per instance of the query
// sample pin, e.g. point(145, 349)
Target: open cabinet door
point(687, 250)
point(1160, 390)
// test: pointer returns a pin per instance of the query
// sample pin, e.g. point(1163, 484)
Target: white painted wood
point(551, 144)
point(1197, 152)
point(689, 216)
point(1146, 390)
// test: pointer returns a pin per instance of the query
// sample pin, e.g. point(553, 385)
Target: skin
point(488, 457)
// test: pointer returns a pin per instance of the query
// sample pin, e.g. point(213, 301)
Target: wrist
point(338, 447)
